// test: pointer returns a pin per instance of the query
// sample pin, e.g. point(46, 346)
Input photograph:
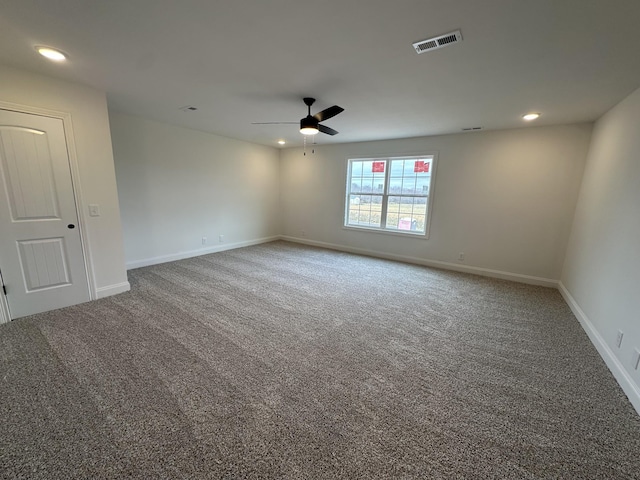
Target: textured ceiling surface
point(247, 61)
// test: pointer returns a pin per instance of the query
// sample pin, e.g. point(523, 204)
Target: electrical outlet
point(636, 359)
point(221, 238)
point(619, 338)
point(204, 240)
point(461, 257)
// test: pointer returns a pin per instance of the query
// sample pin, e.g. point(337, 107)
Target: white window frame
point(432, 157)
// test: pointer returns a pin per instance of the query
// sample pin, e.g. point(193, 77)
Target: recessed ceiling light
point(281, 142)
point(51, 53)
point(530, 116)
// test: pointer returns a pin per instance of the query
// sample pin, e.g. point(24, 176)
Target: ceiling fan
point(310, 125)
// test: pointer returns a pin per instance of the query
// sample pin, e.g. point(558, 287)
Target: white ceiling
point(243, 61)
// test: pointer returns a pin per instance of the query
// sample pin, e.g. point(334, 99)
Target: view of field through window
point(389, 194)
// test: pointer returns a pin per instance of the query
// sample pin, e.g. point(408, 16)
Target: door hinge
point(4, 290)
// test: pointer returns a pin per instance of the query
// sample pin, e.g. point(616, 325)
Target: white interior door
point(41, 256)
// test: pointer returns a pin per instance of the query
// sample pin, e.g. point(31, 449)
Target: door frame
point(77, 193)
point(4, 305)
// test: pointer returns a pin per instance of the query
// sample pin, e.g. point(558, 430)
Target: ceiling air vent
point(438, 42)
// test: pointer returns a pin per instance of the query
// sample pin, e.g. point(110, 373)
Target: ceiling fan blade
point(274, 123)
point(327, 113)
point(327, 130)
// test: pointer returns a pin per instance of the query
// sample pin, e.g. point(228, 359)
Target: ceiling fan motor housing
point(309, 125)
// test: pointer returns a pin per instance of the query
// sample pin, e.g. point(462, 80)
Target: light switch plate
point(94, 210)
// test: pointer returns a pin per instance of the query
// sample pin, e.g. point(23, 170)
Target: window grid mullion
point(385, 194)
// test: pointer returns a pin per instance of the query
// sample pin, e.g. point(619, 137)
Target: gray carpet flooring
point(285, 361)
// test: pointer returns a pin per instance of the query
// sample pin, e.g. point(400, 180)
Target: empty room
point(331, 240)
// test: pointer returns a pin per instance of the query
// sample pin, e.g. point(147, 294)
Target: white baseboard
point(629, 387)
point(109, 290)
point(515, 277)
point(195, 253)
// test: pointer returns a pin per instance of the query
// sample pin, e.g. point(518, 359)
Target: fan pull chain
point(304, 147)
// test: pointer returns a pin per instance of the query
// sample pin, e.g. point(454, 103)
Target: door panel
point(28, 169)
point(41, 256)
point(44, 263)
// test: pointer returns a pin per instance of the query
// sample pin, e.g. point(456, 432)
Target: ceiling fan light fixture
point(309, 126)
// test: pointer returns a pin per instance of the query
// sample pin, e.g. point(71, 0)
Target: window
point(390, 194)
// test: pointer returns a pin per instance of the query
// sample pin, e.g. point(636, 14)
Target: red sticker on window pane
point(421, 167)
point(377, 167)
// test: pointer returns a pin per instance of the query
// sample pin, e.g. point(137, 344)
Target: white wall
point(504, 198)
point(89, 117)
point(177, 185)
point(601, 277)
